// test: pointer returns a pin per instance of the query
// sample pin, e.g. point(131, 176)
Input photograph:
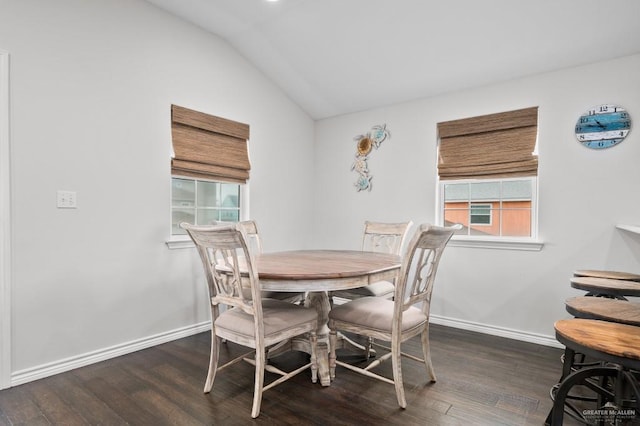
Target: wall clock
point(603, 126)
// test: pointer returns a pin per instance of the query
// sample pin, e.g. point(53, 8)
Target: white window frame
point(531, 243)
point(184, 241)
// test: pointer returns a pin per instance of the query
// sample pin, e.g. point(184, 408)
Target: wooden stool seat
point(613, 310)
point(606, 287)
point(607, 341)
point(617, 345)
point(614, 275)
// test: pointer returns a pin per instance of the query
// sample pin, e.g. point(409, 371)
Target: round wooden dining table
point(324, 270)
point(317, 272)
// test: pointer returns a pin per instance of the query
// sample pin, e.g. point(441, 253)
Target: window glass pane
point(484, 191)
point(516, 222)
point(456, 212)
point(482, 231)
point(203, 202)
point(229, 215)
point(230, 195)
point(207, 194)
point(183, 193)
point(516, 190)
point(181, 215)
point(456, 191)
point(207, 216)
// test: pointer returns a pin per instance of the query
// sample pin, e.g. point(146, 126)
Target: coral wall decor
point(365, 143)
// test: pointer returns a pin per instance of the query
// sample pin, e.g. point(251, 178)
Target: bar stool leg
point(578, 377)
point(567, 362)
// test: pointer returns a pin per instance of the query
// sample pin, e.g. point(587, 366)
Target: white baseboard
point(538, 339)
point(49, 369)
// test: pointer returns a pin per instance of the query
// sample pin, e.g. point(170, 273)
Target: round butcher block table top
point(602, 308)
point(603, 340)
point(614, 275)
point(606, 286)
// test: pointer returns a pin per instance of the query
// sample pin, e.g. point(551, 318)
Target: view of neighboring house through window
point(491, 207)
point(202, 202)
point(487, 169)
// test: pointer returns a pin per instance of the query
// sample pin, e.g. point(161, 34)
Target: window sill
point(501, 244)
point(179, 242)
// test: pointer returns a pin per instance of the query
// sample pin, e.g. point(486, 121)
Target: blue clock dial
point(603, 126)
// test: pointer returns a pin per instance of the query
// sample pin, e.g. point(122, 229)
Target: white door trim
point(5, 226)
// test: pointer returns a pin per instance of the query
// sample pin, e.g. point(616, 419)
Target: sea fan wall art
point(364, 145)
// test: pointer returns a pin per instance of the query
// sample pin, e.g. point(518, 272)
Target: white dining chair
point(398, 320)
point(254, 242)
point(250, 321)
point(379, 237)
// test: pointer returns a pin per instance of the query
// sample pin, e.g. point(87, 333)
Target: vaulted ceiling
point(339, 56)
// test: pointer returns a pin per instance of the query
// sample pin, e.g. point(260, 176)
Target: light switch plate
point(67, 200)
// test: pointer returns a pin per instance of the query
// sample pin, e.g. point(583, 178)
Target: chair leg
point(367, 348)
point(333, 341)
point(397, 372)
point(314, 356)
point(259, 382)
point(426, 352)
point(213, 361)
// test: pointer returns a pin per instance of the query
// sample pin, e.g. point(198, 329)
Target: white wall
point(91, 89)
point(91, 85)
point(583, 194)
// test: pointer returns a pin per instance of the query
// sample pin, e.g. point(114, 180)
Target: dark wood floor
point(482, 380)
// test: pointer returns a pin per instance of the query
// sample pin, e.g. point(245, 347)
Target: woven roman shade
point(209, 147)
point(489, 146)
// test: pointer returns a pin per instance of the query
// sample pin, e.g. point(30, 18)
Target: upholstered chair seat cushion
point(279, 317)
point(376, 313)
point(378, 289)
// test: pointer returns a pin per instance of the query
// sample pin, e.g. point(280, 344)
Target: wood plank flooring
point(482, 380)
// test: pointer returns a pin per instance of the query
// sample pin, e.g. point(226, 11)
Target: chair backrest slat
point(419, 267)
point(252, 236)
point(384, 237)
point(224, 254)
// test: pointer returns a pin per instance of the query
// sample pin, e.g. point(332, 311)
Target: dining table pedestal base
point(320, 301)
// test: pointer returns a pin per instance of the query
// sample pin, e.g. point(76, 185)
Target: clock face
point(603, 126)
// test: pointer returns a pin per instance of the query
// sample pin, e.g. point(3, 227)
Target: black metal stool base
point(616, 397)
